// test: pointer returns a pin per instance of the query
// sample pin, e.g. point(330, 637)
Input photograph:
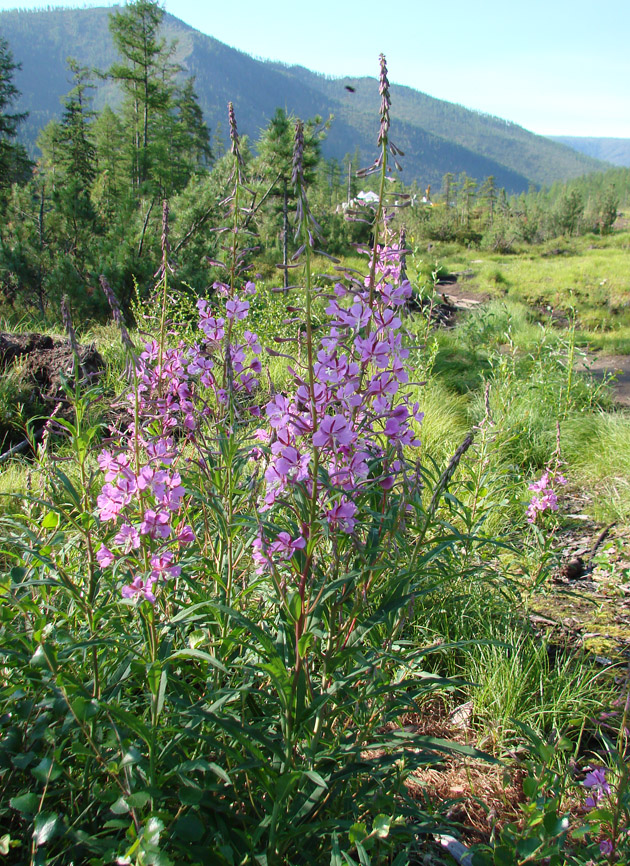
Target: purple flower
point(373, 350)
point(253, 342)
point(606, 847)
point(236, 309)
point(185, 534)
point(595, 780)
point(139, 587)
point(341, 515)
point(128, 538)
point(105, 557)
point(334, 429)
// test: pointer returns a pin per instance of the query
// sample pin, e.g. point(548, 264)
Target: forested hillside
point(614, 150)
point(436, 136)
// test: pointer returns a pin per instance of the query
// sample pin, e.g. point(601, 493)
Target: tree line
point(91, 204)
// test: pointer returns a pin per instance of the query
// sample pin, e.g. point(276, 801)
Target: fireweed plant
point(213, 663)
point(332, 481)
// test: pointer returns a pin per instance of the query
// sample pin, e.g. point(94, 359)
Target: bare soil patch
point(43, 363)
point(604, 366)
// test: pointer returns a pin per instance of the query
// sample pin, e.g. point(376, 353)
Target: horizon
point(545, 85)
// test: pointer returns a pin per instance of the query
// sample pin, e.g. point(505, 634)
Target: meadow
point(307, 576)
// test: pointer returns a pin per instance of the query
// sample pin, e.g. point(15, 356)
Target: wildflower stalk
point(84, 521)
point(304, 233)
point(383, 140)
point(228, 370)
point(164, 274)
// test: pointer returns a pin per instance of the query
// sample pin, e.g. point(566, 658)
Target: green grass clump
point(597, 447)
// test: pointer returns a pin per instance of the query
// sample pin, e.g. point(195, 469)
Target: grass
point(597, 447)
point(588, 274)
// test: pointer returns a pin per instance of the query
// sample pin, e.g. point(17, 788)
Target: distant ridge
point(437, 136)
point(614, 150)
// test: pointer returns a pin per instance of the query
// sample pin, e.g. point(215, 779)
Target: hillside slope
point(614, 150)
point(436, 136)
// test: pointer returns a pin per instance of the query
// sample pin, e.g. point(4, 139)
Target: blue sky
point(556, 68)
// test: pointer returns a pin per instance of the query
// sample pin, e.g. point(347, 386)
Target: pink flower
point(139, 587)
point(156, 524)
point(161, 565)
point(185, 534)
point(341, 515)
point(105, 557)
point(284, 548)
point(128, 538)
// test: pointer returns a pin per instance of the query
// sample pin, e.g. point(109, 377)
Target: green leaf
point(131, 756)
point(198, 654)
point(188, 828)
point(318, 780)
point(18, 574)
point(220, 772)
point(51, 520)
point(601, 814)
point(138, 799)
point(197, 638)
point(46, 770)
point(25, 803)
point(120, 807)
point(530, 787)
point(44, 827)
point(152, 830)
point(356, 833)
point(555, 826)
point(161, 693)
point(294, 605)
point(154, 672)
point(44, 657)
point(381, 826)
point(130, 720)
point(528, 846)
point(304, 643)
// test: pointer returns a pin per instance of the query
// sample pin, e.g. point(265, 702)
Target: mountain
point(615, 150)
point(436, 136)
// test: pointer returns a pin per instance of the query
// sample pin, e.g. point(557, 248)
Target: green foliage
point(14, 163)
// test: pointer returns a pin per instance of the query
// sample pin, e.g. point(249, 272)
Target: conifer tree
point(275, 148)
point(14, 162)
point(146, 74)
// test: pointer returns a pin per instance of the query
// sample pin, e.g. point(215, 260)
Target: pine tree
point(112, 163)
point(78, 154)
point(275, 148)
point(489, 192)
point(14, 162)
point(146, 75)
